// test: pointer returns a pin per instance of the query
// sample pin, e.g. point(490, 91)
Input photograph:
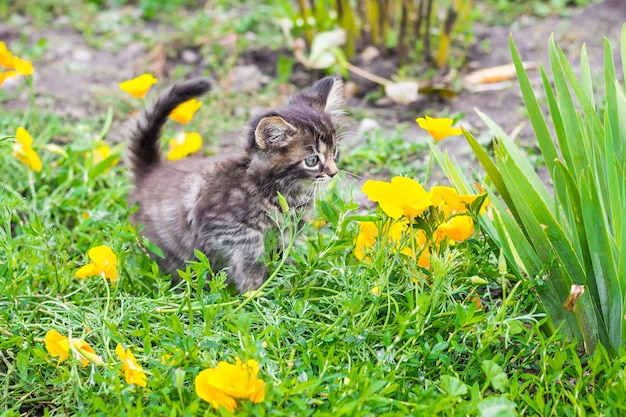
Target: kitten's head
point(295, 147)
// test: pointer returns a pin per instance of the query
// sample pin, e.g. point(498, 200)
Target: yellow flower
point(23, 66)
point(451, 202)
point(184, 112)
point(438, 128)
point(23, 150)
point(184, 144)
point(424, 259)
point(138, 87)
point(133, 373)
point(103, 262)
point(86, 352)
point(458, 228)
point(221, 385)
point(101, 153)
point(402, 196)
point(420, 243)
point(375, 291)
point(476, 301)
point(368, 234)
point(317, 224)
point(59, 345)
point(6, 57)
point(365, 239)
point(7, 74)
point(10, 61)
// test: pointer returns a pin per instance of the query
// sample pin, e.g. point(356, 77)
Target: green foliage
point(509, 10)
point(390, 154)
point(573, 237)
point(325, 343)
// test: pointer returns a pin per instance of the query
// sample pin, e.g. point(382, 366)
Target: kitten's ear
point(271, 131)
point(327, 95)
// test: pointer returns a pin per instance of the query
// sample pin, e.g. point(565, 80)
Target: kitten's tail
point(144, 150)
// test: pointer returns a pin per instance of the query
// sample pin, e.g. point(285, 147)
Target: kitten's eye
point(311, 161)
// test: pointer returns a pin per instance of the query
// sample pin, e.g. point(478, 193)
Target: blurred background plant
point(407, 28)
point(433, 34)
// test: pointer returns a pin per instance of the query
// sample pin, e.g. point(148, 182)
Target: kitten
point(221, 206)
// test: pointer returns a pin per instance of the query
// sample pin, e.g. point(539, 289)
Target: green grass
point(385, 154)
point(327, 344)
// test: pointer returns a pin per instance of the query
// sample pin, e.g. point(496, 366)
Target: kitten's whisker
point(350, 175)
point(347, 132)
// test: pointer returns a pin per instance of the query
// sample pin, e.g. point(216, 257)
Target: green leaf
point(603, 251)
point(574, 155)
point(490, 168)
point(152, 247)
point(534, 111)
point(623, 51)
point(495, 375)
point(497, 407)
point(453, 386)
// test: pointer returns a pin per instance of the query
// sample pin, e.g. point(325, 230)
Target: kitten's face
point(297, 145)
point(311, 154)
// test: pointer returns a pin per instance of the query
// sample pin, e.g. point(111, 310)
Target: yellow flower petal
point(184, 112)
point(7, 74)
point(23, 137)
point(57, 345)
point(369, 233)
point(424, 259)
point(184, 144)
point(23, 150)
point(438, 128)
point(6, 57)
point(401, 196)
point(86, 271)
point(210, 394)
point(28, 156)
point(103, 262)
point(221, 385)
point(23, 66)
point(86, 353)
point(365, 239)
point(138, 87)
point(133, 372)
point(452, 202)
point(458, 228)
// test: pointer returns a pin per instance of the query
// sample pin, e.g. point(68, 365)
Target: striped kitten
point(221, 206)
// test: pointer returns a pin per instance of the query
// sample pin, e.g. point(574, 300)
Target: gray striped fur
point(221, 205)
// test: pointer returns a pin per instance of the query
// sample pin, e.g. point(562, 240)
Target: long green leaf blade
point(534, 111)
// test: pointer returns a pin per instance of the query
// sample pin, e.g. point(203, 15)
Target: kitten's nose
point(331, 169)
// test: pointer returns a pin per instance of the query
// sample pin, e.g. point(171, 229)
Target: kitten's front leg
point(238, 247)
point(248, 272)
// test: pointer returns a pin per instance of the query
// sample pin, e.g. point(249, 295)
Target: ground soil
point(73, 78)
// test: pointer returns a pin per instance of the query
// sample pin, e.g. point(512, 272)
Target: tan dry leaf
point(403, 92)
point(574, 293)
point(494, 74)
